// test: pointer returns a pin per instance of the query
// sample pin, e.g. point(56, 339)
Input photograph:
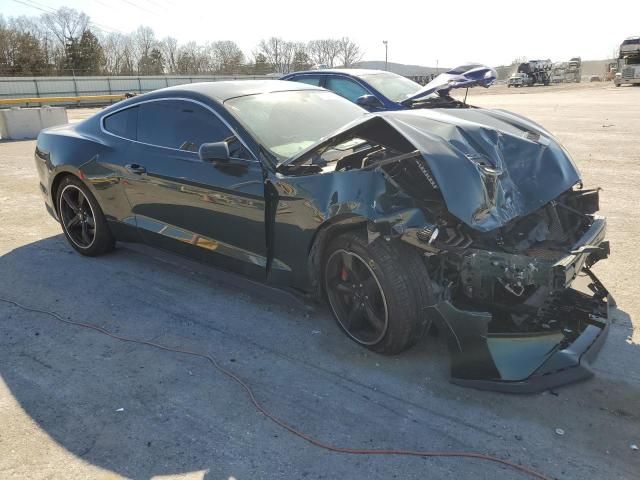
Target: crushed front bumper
point(572, 327)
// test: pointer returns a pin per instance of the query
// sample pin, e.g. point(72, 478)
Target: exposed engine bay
point(507, 296)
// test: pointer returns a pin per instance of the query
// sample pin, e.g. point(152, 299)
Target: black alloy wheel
point(77, 216)
point(356, 297)
point(377, 291)
point(83, 222)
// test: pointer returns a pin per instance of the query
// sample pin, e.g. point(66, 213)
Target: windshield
point(285, 123)
point(392, 86)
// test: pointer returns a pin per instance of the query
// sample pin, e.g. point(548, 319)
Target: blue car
point(377, 90)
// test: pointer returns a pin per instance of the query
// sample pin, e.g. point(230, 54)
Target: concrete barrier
point(26, 123)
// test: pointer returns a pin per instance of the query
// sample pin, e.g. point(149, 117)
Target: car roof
point(224, 90)
point(354, 72)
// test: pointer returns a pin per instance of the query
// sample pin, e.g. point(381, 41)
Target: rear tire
point(377, 292)
point(83, 223)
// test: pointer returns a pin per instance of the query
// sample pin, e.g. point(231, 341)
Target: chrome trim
point(197, 102)
point(208, 243)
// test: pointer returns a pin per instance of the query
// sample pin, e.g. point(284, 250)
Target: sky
point(418, 32)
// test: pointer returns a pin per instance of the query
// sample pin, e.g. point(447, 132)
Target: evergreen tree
point(91, 58)
point(261, 66)
point(301, 61)
point(152, 64)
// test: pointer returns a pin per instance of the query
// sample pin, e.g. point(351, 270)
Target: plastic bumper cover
point(527, 362)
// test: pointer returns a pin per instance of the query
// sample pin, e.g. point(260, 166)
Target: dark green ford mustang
point(474, 220)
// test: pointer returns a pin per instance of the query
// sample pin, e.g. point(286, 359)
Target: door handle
point(135, 168)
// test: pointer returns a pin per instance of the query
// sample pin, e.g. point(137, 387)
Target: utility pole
point(386, 51)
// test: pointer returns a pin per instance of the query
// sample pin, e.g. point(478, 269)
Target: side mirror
point(211, 152)
point(369, 101)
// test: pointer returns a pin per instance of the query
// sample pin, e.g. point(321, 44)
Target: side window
point(309, 80)
point(179, 124)
point(122, 123)
point(345, 87)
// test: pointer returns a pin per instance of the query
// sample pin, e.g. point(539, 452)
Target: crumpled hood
point(490, 165)
point(465, 76)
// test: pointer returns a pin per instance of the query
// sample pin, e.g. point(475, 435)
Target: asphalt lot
point(61, 388)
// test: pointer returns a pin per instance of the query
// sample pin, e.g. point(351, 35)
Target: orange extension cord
point(278, 421)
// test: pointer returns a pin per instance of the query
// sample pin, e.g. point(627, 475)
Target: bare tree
point(144, 40)
point(61, 42)
point(278, 53)
point(324, 52)
point(128, 66)
point(66, 24)
point(225, 56)
point(113, 52)
point(349, 52)
point(169, 48)
point(315, 52)
point(331, 49)
point(192, 59)
point(119, 54)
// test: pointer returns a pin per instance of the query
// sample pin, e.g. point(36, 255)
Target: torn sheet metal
point(491, 167)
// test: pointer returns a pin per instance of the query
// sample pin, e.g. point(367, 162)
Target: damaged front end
point(507, 231)
point(508, 303)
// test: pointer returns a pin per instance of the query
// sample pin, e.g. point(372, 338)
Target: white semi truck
point(628, 63)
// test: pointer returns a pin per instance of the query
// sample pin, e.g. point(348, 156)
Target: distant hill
point(595, 67)
point(400, 68)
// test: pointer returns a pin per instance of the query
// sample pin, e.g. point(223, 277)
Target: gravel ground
point(62, 388)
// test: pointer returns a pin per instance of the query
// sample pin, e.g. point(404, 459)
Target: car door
point(346, 87)
point(349, 89)
point(212, 210)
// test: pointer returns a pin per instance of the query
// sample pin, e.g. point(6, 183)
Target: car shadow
point(142, 412)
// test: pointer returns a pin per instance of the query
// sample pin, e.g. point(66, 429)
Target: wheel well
point(321, 240)
point(55, 185)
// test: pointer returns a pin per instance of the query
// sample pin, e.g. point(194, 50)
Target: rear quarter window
point(179, 125)
point(122, 123)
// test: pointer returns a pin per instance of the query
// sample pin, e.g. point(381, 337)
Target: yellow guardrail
point(82, 98)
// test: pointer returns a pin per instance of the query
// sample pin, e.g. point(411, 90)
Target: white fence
point(23, 87)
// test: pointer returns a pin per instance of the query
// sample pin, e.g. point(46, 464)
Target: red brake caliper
point(344, 274)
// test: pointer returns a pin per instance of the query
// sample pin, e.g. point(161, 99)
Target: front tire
point(82, 220)
point(377, 291)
